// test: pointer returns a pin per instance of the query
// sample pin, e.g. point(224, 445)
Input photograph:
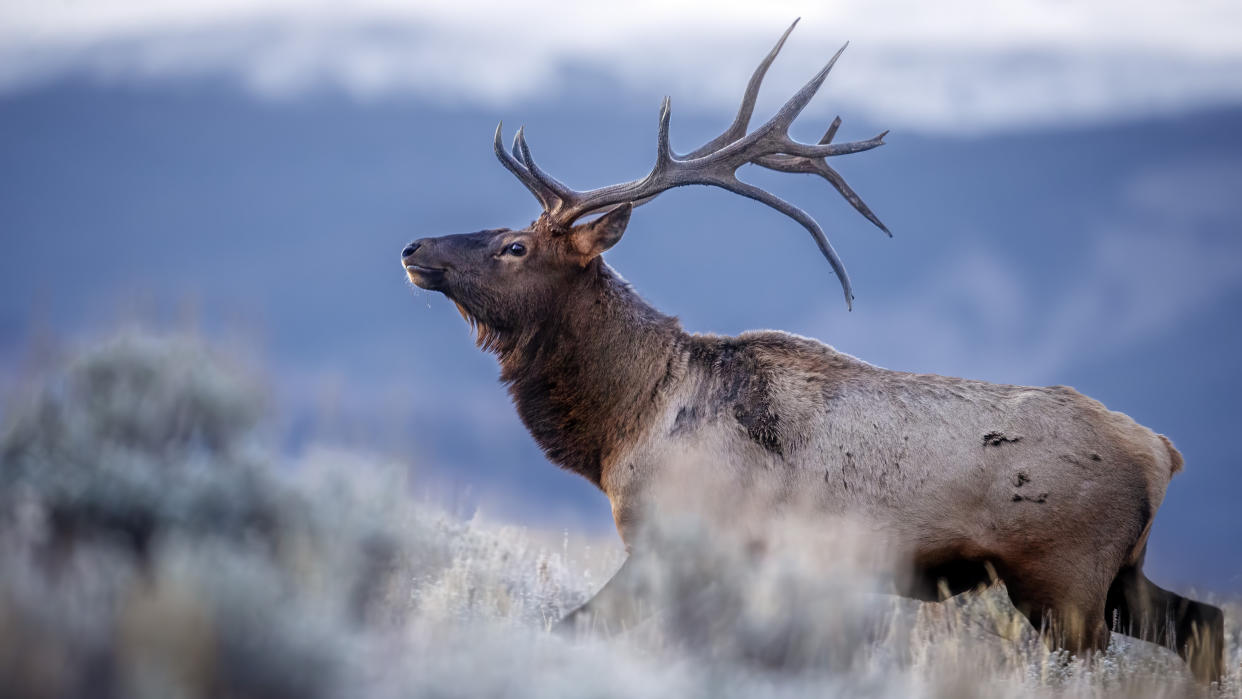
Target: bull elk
point(1043, 487)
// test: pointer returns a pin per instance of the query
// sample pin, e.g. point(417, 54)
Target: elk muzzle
point(420, 265)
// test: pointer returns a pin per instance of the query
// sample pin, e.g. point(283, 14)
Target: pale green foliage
point(151, 547)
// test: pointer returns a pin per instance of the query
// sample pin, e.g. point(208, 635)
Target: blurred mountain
point(1105, 257)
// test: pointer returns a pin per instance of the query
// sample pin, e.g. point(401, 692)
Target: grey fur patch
point(745, 386)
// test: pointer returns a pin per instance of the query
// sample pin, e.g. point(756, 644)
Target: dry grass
point(150, 546)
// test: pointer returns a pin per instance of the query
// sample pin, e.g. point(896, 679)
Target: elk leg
point(1067, 615)
point(620, 604)
point(1138, 607)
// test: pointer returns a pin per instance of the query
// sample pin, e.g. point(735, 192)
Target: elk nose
point(411, 248)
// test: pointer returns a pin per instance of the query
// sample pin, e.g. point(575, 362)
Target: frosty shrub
point(153, 544)
point(137, 437)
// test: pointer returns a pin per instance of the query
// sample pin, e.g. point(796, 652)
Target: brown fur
point(1043, 488)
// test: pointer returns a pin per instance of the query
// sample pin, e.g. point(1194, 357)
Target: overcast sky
point(949, 65)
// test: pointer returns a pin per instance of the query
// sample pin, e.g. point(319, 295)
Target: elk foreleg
point(622, 603)
point(1138, 607)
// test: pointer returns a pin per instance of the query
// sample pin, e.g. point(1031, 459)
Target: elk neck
point(587, 381)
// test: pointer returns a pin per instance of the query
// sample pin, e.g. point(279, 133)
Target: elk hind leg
point(622, 603)
point(1138, 607)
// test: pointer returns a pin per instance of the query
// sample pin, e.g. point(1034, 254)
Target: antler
point(715, 163)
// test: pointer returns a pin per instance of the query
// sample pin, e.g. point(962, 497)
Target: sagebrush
point(154, 544)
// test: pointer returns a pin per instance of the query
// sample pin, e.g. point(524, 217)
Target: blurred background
point(1062, 182)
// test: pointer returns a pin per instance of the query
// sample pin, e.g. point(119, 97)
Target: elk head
point(502, 279)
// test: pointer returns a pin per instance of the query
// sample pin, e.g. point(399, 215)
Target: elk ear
point(591, 239)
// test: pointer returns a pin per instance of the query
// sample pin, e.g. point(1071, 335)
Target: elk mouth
point(431, 278)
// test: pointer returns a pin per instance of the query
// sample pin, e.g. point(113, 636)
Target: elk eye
point(516, 249)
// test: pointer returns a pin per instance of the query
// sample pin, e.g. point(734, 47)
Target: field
point(153, 543)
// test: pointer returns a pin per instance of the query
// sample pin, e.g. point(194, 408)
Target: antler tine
point(801, 98)
point(838, 182)
point(559, 191)
point(831, 133)
point(517, 152)
point(664, 152)
point(512, 165)
point(738, 128)
point(822, 151)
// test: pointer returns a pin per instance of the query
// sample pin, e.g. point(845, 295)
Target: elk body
point(1045, 487)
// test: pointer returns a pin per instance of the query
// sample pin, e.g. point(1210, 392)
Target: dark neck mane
point(585, 381)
